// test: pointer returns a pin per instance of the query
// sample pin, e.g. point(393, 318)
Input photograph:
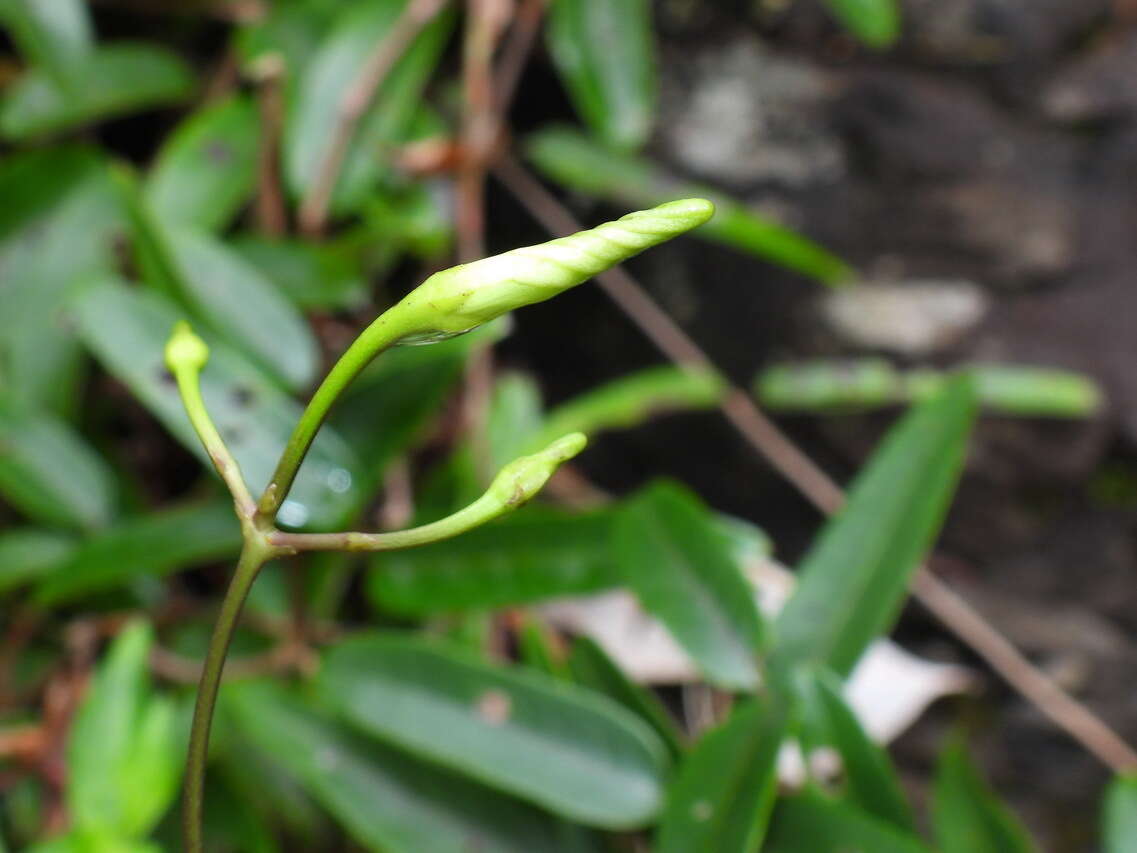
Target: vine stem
point(960, 617)
point(254, 555)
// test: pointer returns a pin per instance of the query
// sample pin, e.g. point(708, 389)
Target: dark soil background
point(992, 154)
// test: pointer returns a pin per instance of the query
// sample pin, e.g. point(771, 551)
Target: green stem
point(379, 336)
point(253, 556)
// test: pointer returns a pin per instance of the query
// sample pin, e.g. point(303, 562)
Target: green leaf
point(33, 182)
point(870, 779)
point(605, 53)
point(50, 473)
point(1119, 816)
point(207, 168)
point(874, 22)
point(239, 303)
point(854, 579)
point(54, 35)
point(386, 800)
point(967, 815)
point(124, 753)
point(720, 800)
point(539, 648)
point(592, 668)
point(26, 554)
point(514, 420)
point(530, 555)
point(148, 546)
point(312, 276)
point(127, 329)
point(681, 569)
point(117, 79)
point(631, 400)
point(569, 158)
point(567, 749)
point(820, 825)
point(51, 254)
point(336, 66)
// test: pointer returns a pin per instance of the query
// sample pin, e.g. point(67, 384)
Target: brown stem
point(354, 103)
point(271, 211)
point(762, 434)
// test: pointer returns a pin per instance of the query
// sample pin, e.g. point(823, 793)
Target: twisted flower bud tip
point(185, 350)
point(463, 297)
point(522, 478)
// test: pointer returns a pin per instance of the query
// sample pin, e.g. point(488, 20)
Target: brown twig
point(947, 606)
point(352, 107)
point(516, 50)
point(271, 211)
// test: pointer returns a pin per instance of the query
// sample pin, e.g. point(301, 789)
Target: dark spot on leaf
point(243, 397)
point(166, 378)
point(218, 153)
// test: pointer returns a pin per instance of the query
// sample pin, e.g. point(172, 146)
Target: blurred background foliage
point(278, 171)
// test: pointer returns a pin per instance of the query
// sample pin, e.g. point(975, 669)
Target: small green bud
point(185, 350)
point(463, 297)
point(522, 478)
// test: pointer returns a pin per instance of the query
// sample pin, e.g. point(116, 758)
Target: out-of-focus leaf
point(291, 31)
point(680, 568)
point(207, 167)
point(78, 841)
point(147, 546)
point(116, 79)
point(50, 473)
point(311, 276)
point(720, 800)
point(853, 581)
point(567, 749)
point(336, 66)
point(386, 800)
point(870, 779)
point(233, 298)
point(123, 754)
point(874, 22)
point(820, 825)
point(605, 53)
point(45, 260)
point(1119, 816)
point(26, 554)
point(32, 182)
point(630, 400)
point(569, 158)
point(869, 383)
point(530, 555)
point(591, 667)
point(515, 417)
point(966, 814)
point(55, 35)
point(127, 329)
point(539, 648)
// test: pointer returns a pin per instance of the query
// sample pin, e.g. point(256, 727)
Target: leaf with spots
point(720, 800)
point(567, 749)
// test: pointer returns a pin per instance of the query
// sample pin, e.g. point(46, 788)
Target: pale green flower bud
point(522, 478)
point(463, 297)
point(185, 350)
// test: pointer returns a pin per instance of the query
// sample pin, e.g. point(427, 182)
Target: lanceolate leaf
point(385, 799)
point(238, 302)
point(127, 328)
point(335, 67)
point(605, 53)
point(54, 35)
point(49, 472)
point(530, 555)
point(207, 169)
point(311, 276)
point(27, 553)
point(562, 747)
point(874, 22)
point(721, 798)
point(821, 825)
point(147, 546)
point(966, 814)
point(679, 565)
point(854, 579)
point(870, 780)
point(1119, 816)
point(569, 158)
point(116, 79)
